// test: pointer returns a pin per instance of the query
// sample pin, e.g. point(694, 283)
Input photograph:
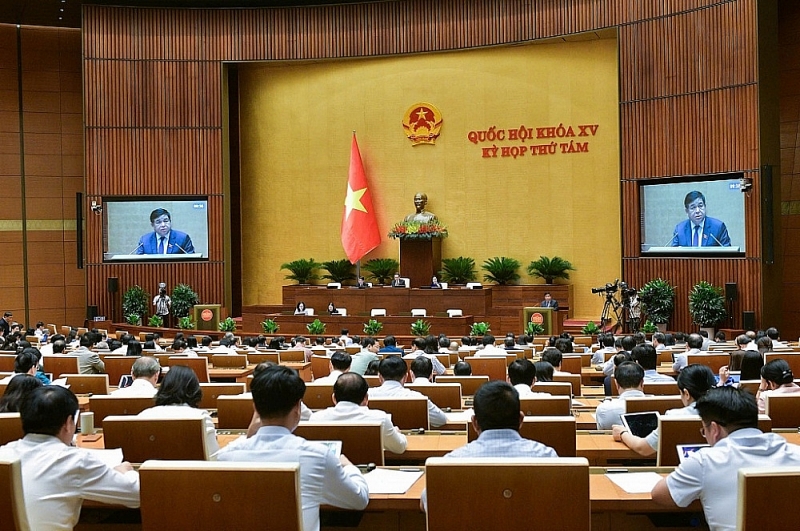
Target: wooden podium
point(420, 260)
point(542, 316)
point(206, 316)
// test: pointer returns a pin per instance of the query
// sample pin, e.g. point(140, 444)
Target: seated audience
point(647, 357)
point(694, 345)
point(19, 386)
point(368, 353)
point(177, 398)
point(372, 368)
point(393, 375)
point(324, 477)
point(730, 419)
point(489, 348)
point(544, 371)
point(351, 405)
point(752, 362)
point(694, 381)
point(522, 375)
point(56, 476)
point(630, 382)
point(339, 364)
point(390, 346)
point(135, 348)
point(145, 372)
point(88, 361)
point(421, 372)
point(776, 378)
point(462, 368)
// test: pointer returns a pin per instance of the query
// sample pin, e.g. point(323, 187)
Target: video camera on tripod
point(609, 289)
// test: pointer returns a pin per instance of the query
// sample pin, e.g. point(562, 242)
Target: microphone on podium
point(141, 244)
point(179, 247)
point(671, 239)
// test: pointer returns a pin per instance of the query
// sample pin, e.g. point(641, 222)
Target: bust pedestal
point(420, 260)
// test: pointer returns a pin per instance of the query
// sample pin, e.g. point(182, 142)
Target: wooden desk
point(228, 374)
point(398, 325)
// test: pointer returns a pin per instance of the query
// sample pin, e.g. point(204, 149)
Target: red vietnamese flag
point(360, 232)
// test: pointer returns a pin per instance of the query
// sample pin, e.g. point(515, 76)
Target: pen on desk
point(616, 470)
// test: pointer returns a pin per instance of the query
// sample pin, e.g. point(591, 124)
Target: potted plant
point(533, 329)
point(338, 270)
point(658, 301)
point(707, 306)
point(501, 270)
point(373, 327)
point(649, 327)
point(458, 270)
point(156, 321)
point(381, 269)
point(185, 323)
point(269, 326)
point(550, 268)
point(227, 325)
point(316, 327)
point(479, 329)
point(134, 304)
point(420, 328)
point(183, 299)
point(591, 329)
point(302, 271)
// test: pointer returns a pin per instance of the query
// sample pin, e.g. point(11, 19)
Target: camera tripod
point(611, 307)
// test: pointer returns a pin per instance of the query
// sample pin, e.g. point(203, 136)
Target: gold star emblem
point(353, 201)
point(422, 114)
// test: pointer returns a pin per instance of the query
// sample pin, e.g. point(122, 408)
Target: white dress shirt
point(610, 412)
point(329, 379)
point(56, 478)
point(393, 440)
point(323, 479)
point(390, 388)
point(524, 390)
point(184, 411)
point(139, 387)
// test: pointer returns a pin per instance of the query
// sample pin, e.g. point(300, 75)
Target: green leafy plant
point(590, 329)
point(134, 302)
point(381, 269)
point(133, 319)
point(227, 325)
point(458, 270)
point(338, 270)
point(373, 327)
point(302, 271)
point(501, 270)
point(658, 300)
point(533, 329)
point(649, 327)
point(420, 328)
point(316, 327)
point(183, 299)
point(479, 329)
point(185, 323)
point(155, 320)
point(269, 326)
point(706, 304)
point(550, 268)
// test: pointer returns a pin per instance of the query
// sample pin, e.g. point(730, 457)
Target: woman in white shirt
point(776, 378)
point(178, 397)
point(300, 309)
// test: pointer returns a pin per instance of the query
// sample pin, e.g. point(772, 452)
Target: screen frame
point(148, 258)
point(692, 252)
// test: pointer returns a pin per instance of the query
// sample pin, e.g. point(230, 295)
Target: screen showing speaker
point(691, 216)
point(155, 228)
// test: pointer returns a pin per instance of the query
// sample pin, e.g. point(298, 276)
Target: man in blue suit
point(164, 240)
point(699, 230)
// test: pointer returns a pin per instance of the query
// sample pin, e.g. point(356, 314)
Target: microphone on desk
point(136, 248)
point(178, 246)
point(671, 239)
point(705, 236)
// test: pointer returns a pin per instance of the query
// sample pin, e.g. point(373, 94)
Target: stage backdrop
point(500, 194)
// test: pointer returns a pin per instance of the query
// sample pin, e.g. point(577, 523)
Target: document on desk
point(388, 481)
point(460, 416)
point(635, 482)
point(111, 457)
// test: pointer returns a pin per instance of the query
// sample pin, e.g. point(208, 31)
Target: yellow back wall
point(296, 124)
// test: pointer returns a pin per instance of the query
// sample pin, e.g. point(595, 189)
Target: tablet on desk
point(685, 450)
point(334, 447)
point(640, 424)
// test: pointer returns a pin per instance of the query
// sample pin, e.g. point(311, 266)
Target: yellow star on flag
point(353, 201)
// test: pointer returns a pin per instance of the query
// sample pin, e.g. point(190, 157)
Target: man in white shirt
point(522, 375)
point(339, 364)
point(630, 381)
point(599, 356)
point(418, 349)
point(56, 476)
point(694, 345)
point(324, 477)
point(647, 357)
point(393, 374)
point(659, 341)
point(145, 372)
point(730, 419)
point(489, 348)
point(351, 405)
